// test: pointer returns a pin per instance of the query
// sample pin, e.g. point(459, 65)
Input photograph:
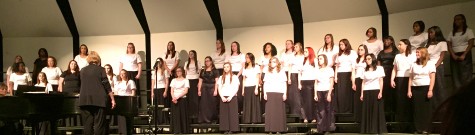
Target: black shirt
point(387, 59)
point(209, 77)
point(71, 82)
point(95, 86)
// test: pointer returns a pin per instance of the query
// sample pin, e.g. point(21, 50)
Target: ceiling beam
point(65, 8)
point(384, 17)
point(295, 10)
point(213, 10)
point(139, 12)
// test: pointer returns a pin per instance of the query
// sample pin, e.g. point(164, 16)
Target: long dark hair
point(212, 63)
point(421, 24)
point(325, 61)
point(69, 70)
point(408, 46)
point(171, 51)
point(230, 73)
point(464, 25)
point(325, 42)
point(273, 49)
point(161, 64)
point(16, 67)
point(252, 58)
point(374, 62)
point(238, 47)
point(223, 48)
point(44, 50)
point(347, 47)
point(194, 59)
point(439, 36)
point(375, 32)
point(286, 45)
point(365, 52)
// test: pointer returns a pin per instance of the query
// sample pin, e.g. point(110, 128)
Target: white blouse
point(219, 60)
point(330, 54)
point(323, 78)
point(82, 62)
point(52, 74)
point(371, 78)
point(346, 63)
point(236, 61)
point(308, 71)
point(403, 64)
point(275, 82)
point(191, 72)
point(375, 47)
point(263, 61)
point(130, 62)
point(360, 68)
point(170, 61)
point(228, 88)
point(251, 76)
point(179, 87)
point(435, 50)
point(10, 70)
point(459, 41)
point(419, 40)
point(421, 75)
point(296, 64)
point(48, 86)
point(286, 59)
point(113, 78)
point(161, 79)
point(19, 79)
point(124, 88)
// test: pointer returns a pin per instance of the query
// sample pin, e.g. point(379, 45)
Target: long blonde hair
point(278, 64)
point(424, 58)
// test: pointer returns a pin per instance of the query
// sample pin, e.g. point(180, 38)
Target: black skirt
point(403, 103)
point(228, 116)
point(208, 104)
point(293, 95)
point(308, 101)
point(356, 100)
point(344, 93)
point(373, 119)
point(193, 98)
point(389, 94)
point(422, 108)
point(239, 93)
point(252, 106)
point(159, 116)
point(275, 118)
point(180, 123)
point(325, 115)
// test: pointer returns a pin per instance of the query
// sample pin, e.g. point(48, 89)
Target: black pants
point(159, 116)
point(439, 91)
point(422, 108)
point(228, 115)
point(180, 122)
point(462, 70)
point(389, 94)
point(94, 118)
point(132, 75)
point(344, 93)
point(357, 104)
point(308, 102)
point(293, 95)
point(240, 98)
point(193, 100)
point(208, 104)
point(325, 115)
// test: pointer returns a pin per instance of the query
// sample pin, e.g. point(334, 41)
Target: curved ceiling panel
point(395, 6)
point(177, 15)
point(32, 18)
point(248, 13)
point(105, 17)
point(324, 10)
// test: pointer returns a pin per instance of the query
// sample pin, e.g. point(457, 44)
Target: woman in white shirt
point(18, 59)
point(237, 60)
point(357, 79)
point(228, 85)
point(18, 77)
point(110, 75)
point(132, 63)
point(306, 82)
point(294, 98)
point(287, 55)
point(171, 59)
point(219, 56)
point(373, 119)
point(461, 41)
point(400, 80)
point(252, 106)
point(192, 69)
point(373, 43)
point(123, 87)
point(82, 56)
point(345, 62)
point(269, 51)
point(42, 81)
point(159, 89)
point(329, 49)
point(323, 95)
point(179, 88)
point(275, 93)
point(437, 47)
point(419, 38)
point(52, 71)
point(421, 85)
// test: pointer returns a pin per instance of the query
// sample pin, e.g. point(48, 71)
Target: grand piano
point(38, 107)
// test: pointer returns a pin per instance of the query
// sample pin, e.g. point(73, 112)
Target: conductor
point(94, 96)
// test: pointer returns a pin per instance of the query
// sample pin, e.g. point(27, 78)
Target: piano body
point(39, 107)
